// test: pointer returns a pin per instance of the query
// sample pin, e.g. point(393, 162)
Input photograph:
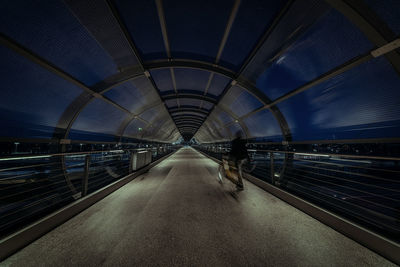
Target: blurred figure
point(239, 155)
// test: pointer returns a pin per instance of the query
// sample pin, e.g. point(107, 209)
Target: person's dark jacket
point(239, 150)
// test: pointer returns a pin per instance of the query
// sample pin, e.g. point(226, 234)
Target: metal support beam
point(228, 28)
point(126, 123)
point(236, 120)
point(194, 117)
point(189, 95)
point(188, 109)
point(132, 45)
point(182, 125)
point(370, 24)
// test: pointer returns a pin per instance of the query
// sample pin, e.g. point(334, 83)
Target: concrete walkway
point(179, 215)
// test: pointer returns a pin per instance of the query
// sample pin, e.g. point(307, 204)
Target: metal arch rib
point(190, 116)
point(126, 123)
point(189, 120)
point(188, 95)
point(183, 124)
point(181, 63)
point(189, 109)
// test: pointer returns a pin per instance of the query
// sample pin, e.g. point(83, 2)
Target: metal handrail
point(32, 187)
point(371, 189)
point(33, 156)
point(327, 154)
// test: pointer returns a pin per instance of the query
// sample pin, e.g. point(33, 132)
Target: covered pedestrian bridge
point(115, 114)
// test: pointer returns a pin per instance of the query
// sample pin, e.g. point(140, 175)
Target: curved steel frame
point(194, 117)
point(183, 123)
point(179, 119)
point(356, 12)
point(184, 109)
point(189, 95)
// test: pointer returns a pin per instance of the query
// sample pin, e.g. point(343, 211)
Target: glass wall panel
point(222, 116)
point(234, 129)
point(135, 129)
point(360, 103)
point(239, 101)
point(32, 99)
point(98, 119)
point(150, 114)
point(263, 126)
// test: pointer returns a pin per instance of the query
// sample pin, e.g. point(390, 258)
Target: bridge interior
point(95, 92)
point(178, 214)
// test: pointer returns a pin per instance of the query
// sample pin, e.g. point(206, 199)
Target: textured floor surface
point(179, 215)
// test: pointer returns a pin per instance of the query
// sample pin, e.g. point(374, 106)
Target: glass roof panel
point(141, 19)
point(218, 84)
point(189, 102)
point(296, 21)
point(189, 113)
point(49, 29)
point(254, 15)
point(163, 79)
point(191, 79)
point(195, 28)
point(171, 103)
point(388, 11)
point(330, 42)
point(207, 105)
point(134, 95)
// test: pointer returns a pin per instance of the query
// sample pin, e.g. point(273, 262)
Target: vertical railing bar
point(271, 157)
point(86, 176)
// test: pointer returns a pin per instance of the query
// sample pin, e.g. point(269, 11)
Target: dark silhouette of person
point(239, 155)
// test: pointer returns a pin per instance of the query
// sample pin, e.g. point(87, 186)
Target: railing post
point(86, 176)
point(131, 161)
point(271, 157)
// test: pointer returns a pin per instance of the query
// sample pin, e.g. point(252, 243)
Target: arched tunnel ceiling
point(158, 70)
